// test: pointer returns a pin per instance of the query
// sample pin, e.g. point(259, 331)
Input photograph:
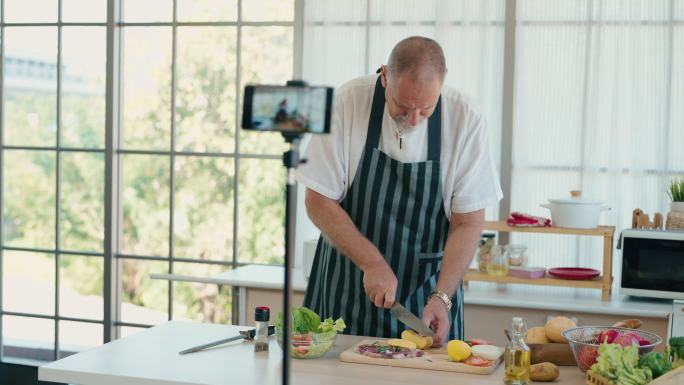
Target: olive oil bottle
point(517, 355)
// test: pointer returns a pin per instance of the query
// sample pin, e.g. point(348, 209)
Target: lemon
point(458, 350)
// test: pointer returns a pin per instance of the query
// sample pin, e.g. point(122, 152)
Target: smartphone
point(293, 109)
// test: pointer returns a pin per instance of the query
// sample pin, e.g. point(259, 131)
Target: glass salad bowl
point(309, 345)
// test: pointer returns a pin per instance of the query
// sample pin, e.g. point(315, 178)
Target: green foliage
point(676, 190)
point(204, 190)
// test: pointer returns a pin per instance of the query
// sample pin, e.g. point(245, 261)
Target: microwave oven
point(652, 264)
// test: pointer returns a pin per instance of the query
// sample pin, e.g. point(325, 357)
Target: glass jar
point(484, 256)
point(516, 255)
point(497, 265)
point(517, 355)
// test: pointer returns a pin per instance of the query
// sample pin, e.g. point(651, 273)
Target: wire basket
point(584, 342)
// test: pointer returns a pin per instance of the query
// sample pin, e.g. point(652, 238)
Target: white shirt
point(468, 175)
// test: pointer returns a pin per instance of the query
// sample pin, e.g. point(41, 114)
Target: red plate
point(574, 272)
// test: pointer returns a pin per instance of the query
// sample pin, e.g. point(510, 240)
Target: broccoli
point(677, 351)
point(658, 363)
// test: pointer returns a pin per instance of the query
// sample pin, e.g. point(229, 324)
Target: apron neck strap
point(375, 123)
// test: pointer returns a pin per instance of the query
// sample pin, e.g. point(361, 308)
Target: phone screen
point(287, 109)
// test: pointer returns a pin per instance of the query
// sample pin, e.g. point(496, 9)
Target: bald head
point(421, 58)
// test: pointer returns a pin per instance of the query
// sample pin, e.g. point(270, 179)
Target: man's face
point(409, 102)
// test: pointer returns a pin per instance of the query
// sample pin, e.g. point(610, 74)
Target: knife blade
point(244, 334)
point(410, 320)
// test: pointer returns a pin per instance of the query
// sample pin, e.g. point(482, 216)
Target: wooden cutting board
point(434, 359)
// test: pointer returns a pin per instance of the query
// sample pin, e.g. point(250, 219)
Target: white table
point(151, 357)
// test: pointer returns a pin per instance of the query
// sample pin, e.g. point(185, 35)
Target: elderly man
point(398, 190)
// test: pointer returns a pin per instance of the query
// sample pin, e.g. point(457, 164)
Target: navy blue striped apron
point(400, 208)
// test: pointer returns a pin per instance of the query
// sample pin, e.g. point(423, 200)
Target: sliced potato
point(420, 341)
point(401, 343)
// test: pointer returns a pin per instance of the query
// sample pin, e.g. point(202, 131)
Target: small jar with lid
point(497, 266)
point(484, 252)
point(515, 255)
point(261, 316)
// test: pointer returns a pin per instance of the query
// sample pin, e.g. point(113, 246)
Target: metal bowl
point(584, 342)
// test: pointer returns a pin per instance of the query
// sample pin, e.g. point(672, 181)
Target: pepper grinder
point(261, 316)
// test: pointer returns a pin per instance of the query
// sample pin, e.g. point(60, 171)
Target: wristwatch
point(443, 296)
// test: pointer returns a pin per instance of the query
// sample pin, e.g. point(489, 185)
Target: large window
point(121, 156)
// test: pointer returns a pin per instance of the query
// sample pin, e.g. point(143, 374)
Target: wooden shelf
point(600, 231)
point(547, 280)
point(603, 282)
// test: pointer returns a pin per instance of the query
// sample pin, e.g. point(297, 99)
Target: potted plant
point(676, 194)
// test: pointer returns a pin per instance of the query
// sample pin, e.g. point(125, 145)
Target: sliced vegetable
point(401, 343)
point(479, 341)
point(489, 352)
point(478, 361)
point(421, 342)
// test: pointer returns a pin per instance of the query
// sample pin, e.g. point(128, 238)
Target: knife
point(410, 320)
point(244, 334)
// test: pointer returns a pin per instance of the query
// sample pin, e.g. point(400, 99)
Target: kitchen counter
point(478, 293)
point(151, 357)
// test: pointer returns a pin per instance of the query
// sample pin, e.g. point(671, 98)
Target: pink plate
point(574, 272)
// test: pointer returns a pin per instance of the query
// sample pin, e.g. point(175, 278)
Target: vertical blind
point(597, 83)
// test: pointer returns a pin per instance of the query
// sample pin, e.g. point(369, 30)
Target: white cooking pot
point(575, 212)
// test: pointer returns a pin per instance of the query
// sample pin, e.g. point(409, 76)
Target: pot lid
point(576, 201)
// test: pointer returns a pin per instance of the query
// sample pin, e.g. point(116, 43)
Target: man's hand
point(380, 283)
point(435, 315)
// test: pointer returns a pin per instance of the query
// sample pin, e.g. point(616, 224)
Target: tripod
point(290, 160)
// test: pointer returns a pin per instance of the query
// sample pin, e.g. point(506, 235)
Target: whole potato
point(544, 371)
point(537, 335)
point(555, 326)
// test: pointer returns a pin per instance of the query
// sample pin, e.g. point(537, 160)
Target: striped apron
point(399, 207)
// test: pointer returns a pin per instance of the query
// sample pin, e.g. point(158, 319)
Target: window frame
point(113, 154)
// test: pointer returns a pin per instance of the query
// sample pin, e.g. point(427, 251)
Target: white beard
point(404, 126)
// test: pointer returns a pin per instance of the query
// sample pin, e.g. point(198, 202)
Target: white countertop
point(478, 293)
point(250, 276)
point(564, 299)
point(151, 357)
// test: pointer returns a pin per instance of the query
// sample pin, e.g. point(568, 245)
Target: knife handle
point(250, 333)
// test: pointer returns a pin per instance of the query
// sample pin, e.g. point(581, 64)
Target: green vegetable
point(658, 363)
point(305, 320)
point(328, 325)
point(620, 365)
point(676, 345)
point(308, 320)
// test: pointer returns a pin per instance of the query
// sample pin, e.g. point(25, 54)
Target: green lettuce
point(620, 365)
point(305, 320)
point(328, 325)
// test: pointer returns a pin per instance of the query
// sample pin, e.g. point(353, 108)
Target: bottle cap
point(262, 313)
point(519, 326)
